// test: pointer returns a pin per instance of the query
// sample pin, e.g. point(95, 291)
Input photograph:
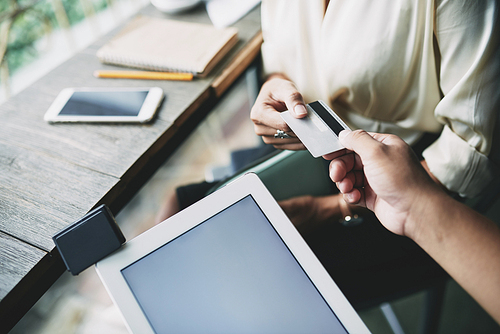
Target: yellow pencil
point(144, 75)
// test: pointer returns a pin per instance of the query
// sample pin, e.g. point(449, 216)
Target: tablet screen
point(229, 274)
point(104, 103)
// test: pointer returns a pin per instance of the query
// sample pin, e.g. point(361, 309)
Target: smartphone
point(105, 105)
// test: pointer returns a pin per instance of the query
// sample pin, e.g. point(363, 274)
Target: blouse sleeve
point(467, 34)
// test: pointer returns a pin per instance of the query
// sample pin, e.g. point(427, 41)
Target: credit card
point(319, 130)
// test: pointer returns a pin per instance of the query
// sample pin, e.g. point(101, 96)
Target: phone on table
point(137, 105)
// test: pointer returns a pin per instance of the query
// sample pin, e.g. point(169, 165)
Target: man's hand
point(381, 172)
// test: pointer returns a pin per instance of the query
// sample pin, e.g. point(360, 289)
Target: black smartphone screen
point(105, 103)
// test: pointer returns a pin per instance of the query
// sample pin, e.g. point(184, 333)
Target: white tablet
point(230, 263)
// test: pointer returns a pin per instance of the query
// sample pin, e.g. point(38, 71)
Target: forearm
point(464, 243)
point(407, 202)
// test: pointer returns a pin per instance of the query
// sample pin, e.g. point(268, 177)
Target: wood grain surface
point(52, 174)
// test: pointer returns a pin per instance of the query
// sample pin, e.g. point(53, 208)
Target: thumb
point(358, 141)
point(285, 91)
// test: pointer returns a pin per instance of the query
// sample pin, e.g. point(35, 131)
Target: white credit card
point(319, 130)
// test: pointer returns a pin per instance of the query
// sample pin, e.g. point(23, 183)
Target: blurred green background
point(23, 22)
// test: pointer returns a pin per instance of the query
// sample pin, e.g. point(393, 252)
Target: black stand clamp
point(89, 239)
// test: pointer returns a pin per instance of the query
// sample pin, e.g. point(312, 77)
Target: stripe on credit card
point(326, 117)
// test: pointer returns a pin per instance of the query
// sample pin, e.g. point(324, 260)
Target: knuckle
point(267, 140)
point(255, 121)
point(358, 133)
point(258, 132)
point(254, 115)
point(379, 150)
point(284, 127)
point(296, 96)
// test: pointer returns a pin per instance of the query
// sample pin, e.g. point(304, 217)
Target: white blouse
point(399, 66)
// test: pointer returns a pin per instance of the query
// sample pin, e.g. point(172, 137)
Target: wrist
point(426, 209)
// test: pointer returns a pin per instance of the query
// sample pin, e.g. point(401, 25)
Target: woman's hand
point(381, 172)
point(276, 95)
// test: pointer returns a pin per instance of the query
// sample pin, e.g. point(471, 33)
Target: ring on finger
point(281, 134)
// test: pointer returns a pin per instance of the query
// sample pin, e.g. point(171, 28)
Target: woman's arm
point(468, 54)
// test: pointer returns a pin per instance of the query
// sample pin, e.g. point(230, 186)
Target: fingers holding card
point(319, 130)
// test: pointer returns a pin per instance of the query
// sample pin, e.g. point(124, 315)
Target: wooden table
point(51, 175)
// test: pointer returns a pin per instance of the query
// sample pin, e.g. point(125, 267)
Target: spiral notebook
point(169, 45)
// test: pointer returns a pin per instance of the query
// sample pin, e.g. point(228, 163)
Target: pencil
point(144, 75)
